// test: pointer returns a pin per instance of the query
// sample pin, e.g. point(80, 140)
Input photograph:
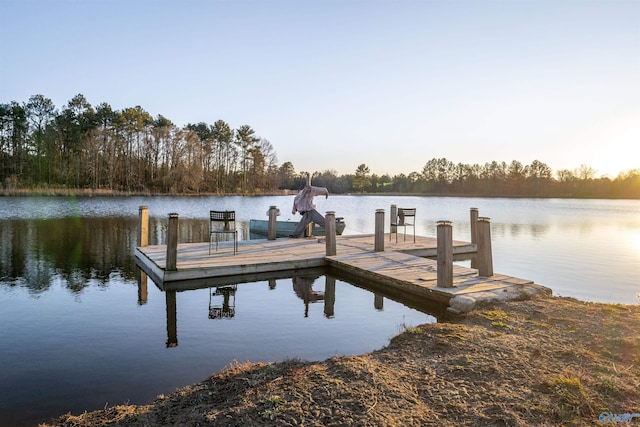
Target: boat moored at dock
point(260, 228)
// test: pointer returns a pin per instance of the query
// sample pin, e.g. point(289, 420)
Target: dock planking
point(400, 266)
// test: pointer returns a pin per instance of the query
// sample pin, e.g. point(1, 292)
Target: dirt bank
point(546, 361)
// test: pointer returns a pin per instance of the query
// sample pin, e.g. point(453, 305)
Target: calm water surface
point(80, 333)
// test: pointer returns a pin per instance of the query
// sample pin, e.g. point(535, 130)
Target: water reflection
point(378, 301)
point(172, 318)
point(78, 273)
point(143, 291)
point(303, 287)
point(222, 302)
point(515, 229)
point(222, 299)
point(380, 292)
point(329, 296)
point(78, 252)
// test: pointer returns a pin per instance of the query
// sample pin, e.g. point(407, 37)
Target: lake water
point(80, 333)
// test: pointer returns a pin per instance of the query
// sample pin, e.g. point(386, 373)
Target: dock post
point(378, 245)
point(143, 226)
point(485, 258)
point(172, 242)
point(330, 232)
point(474, 223)
point(309, 231)
point(392, 219)
point(445, 255)
point(271, 230)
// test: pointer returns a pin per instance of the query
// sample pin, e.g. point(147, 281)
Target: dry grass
point(547, 361)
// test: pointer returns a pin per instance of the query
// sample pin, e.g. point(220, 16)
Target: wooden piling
point(485, 258)
point(143, 226)
point(172, 242)
point(393, 216)
point(309, 232)
point(378, 245)
point(474, 222)
point(445, 255)
point(330, 232)
point(271, 230)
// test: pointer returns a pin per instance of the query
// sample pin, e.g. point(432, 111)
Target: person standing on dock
point(303, 203)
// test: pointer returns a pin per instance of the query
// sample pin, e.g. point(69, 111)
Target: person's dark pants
point(307, 218)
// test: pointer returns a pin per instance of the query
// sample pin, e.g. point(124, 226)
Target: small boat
point(260, 227)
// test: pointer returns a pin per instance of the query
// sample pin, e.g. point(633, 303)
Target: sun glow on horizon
point(613, 142)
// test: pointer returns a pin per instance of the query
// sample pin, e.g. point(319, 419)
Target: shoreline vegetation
point(89, 192)
point(84, 146)
point(545, 361)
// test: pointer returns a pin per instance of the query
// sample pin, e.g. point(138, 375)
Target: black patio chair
point(223, 222)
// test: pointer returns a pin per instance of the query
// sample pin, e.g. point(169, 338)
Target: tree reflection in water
point(78, 251)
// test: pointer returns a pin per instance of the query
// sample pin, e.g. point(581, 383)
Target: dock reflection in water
point(222, 298)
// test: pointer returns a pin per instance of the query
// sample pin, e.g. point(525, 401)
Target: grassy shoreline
point(544, 361)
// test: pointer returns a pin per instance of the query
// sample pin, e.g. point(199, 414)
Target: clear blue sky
point(333, 84)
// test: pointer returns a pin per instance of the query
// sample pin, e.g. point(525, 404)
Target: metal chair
point(404, 216)
point(223, 222)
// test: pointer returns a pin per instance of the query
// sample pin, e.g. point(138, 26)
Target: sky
point(335, 84)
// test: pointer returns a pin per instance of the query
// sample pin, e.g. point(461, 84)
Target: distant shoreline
point(89, 192)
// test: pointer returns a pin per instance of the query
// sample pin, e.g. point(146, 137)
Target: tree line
point(81, 146)
point(440, 176)
point(128, 150)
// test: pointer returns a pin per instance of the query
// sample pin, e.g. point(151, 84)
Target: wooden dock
point(401, 266)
